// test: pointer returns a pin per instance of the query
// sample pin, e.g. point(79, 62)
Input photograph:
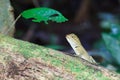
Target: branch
point(26, 61)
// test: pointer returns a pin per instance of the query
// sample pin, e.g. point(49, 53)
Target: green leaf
point(113, 45)
point(43, 14)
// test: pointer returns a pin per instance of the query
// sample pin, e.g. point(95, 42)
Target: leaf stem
point(12, 25)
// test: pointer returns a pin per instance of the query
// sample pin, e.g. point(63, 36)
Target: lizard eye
point(72, 36)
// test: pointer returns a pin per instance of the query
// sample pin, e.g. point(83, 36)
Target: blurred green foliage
point(110, 42)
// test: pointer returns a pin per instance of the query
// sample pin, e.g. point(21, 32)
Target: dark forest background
point(87, 18)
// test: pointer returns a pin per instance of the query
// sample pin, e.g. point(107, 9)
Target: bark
point(6, 18)
point(20, 60)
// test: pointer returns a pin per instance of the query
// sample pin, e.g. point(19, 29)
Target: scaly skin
point(78, 48)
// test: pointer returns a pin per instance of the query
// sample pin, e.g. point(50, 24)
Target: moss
point(57, 59)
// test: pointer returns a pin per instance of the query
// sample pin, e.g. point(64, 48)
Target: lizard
point(75, 43)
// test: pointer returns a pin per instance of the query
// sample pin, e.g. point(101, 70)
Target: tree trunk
point(6, 18)
point(20, 60)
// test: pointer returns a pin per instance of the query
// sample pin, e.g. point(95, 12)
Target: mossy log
point(20, 60)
